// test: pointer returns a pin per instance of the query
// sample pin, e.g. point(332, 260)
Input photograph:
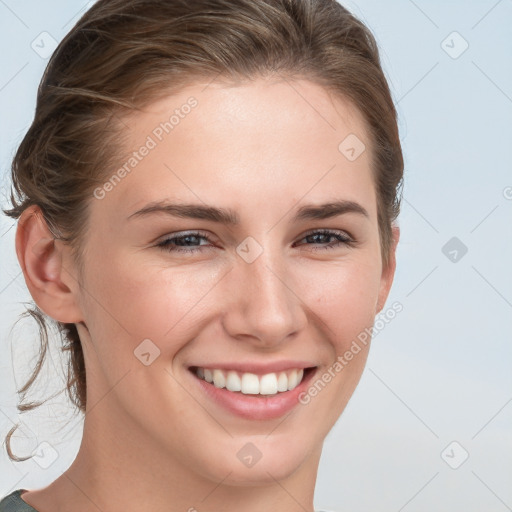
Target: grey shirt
point(13, 503)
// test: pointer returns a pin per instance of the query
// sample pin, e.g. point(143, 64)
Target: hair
point(123, 54)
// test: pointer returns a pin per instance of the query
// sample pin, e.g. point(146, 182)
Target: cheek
point(345, 297)
point(138, 301)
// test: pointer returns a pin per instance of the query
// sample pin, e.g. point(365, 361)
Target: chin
point(269, 462)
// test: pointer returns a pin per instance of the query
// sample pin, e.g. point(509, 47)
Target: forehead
point(250, 144)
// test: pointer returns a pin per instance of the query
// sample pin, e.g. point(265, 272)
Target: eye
point(175, 243)
point(190, 242)
point(325, 234)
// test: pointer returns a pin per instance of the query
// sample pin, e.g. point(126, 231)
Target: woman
point(207, 200)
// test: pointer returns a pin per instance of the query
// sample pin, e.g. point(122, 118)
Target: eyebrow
point(230, 217)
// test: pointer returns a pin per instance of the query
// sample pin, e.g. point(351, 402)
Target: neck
point(116, 469)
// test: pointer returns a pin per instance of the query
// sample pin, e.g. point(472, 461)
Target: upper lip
point(257, 368)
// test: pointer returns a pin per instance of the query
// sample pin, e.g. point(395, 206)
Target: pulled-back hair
point(123, 54)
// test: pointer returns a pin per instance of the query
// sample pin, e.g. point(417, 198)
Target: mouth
point(251, 395)
point(249, 383)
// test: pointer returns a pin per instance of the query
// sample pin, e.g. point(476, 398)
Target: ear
point(41, 258)
point(388, 272)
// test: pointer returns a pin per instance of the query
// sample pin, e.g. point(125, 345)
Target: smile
point(259, 394)
point(250, 383)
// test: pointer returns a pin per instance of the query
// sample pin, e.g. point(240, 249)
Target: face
point(258, 286)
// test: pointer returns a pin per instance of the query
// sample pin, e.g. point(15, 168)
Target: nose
point(264, 307)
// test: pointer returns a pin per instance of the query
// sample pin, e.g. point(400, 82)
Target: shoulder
point(13, 503)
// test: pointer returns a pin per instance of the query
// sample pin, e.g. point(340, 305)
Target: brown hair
point(123, 54)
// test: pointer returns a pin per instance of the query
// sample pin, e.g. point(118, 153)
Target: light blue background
point(441, 370)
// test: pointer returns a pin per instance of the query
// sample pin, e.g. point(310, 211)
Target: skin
point(151, 439)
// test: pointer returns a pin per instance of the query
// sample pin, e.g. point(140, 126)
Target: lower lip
point(255, 407)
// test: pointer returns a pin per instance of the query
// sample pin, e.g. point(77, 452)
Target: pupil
point(319, 236)
point(187, 239)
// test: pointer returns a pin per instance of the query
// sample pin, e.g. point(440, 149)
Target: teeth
point(233, 382)
point(250, 383)
point(300, 374)
point(295, 378)
point(219, 381)
point(268, 384)
point(282, 382)
point(292, 380)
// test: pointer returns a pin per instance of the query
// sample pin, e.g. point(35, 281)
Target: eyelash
point(166, 244)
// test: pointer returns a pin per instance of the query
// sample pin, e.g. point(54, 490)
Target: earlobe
point(40, 258)
point(388, 272)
